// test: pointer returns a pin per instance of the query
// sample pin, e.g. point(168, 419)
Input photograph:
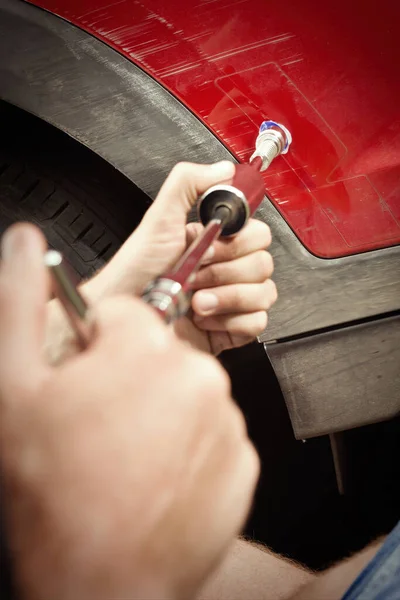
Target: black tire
point(84, 206)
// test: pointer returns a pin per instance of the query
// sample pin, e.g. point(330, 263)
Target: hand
point(234, 290)
point(127, 470)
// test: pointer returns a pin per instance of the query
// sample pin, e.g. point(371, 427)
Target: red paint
point(327, 70)
point(250, 181)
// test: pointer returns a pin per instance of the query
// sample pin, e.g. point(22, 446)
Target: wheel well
point(83, 204)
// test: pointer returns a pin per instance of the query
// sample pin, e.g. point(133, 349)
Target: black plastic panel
point(341, 379)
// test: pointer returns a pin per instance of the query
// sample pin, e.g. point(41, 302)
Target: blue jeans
point(380, 580)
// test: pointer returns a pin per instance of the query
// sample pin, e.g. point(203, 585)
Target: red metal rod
point(257, 163)
point(190, 262)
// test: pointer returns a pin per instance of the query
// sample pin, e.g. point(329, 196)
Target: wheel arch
point(81, 86)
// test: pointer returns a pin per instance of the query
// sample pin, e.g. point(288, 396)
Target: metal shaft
point(170, 294)
point(273, 140)
point(71, 300)
point(190, 262)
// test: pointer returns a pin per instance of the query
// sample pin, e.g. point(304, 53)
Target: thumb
point(161, 236)
point(185, 183)
point(23, 294)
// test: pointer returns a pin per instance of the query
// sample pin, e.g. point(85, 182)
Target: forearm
point(333, 583)
point(252, 572)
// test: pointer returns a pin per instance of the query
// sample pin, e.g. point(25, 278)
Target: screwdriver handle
point(242, 197)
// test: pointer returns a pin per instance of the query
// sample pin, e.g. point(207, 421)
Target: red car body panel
point(328, 71)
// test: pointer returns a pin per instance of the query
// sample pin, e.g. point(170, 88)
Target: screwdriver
point(69, 296)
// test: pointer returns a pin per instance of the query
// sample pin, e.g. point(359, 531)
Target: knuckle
point(193, 229)
point(232, 247)
point(182, 169)
point(271, 265)
point(214, 379)
point(260, 322)
point(239, 421)
point(221, 379)
point(269, 295)
point(253, 462)
point(267, 236)
point(239, 298)
point(214, 274)
point(252, 325)
point(273, 291)
point(234, 421)
point(266, 264)
point(179, 167)
point(236, 247)
point(263, 233)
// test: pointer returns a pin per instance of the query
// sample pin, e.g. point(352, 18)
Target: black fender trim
point(340, 379)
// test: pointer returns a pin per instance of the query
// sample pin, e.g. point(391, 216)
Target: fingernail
point(223, 169)
point(209, 255)
point(206, 302)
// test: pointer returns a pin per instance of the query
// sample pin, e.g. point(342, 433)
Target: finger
point(243, 325)
point(183, 186)
point(24, 291)
point(193, 231)
point(252, 268)
point(256, 235)
point(237, 298)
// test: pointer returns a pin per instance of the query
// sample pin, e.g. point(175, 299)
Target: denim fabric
point(380, 580)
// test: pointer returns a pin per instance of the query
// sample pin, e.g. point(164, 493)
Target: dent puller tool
point(223, 210)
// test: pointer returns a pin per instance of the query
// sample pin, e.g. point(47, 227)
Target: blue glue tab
point(266, 125)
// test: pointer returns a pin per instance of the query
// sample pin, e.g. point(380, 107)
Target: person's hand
point(127, 471)
point(234, 289)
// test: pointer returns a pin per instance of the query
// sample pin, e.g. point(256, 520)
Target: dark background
point(298, 511)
